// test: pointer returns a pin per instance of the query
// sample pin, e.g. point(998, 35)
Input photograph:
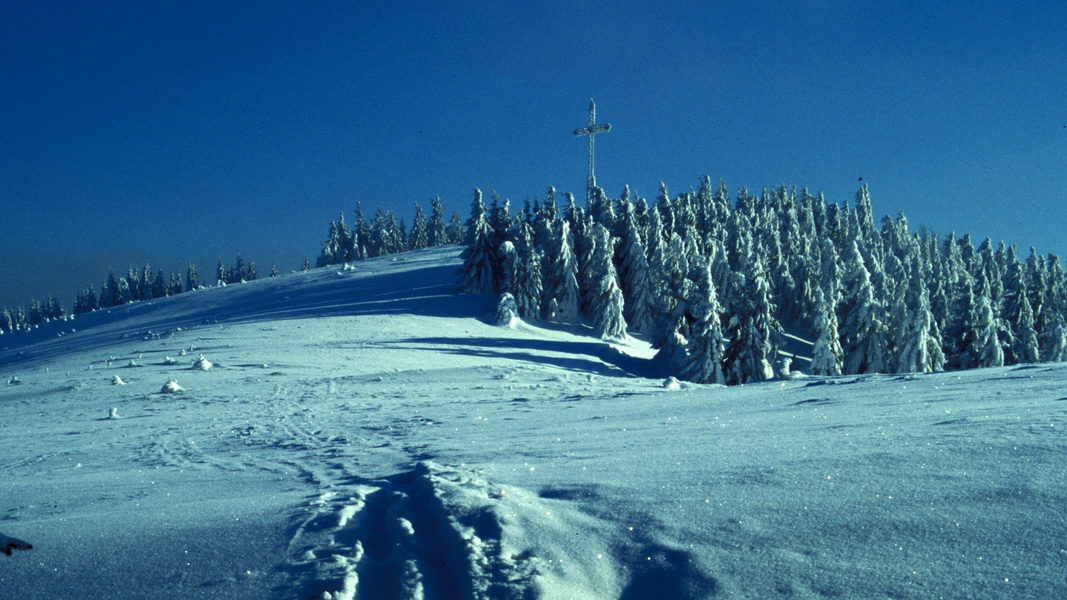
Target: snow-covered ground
point(371, 434)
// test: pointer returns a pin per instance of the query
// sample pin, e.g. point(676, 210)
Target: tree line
point(718, 283)
point(138, 284)
point(386, 234)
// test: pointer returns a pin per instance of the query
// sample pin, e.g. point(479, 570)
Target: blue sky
point(135, 132)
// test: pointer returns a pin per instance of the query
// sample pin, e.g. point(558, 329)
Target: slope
point(367, 433)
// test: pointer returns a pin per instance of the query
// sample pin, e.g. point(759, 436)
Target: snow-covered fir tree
point(564, 298)
point(753, 331)
point(862, 332)
point(479, 255)
point(826, 353)
point(420, 234)
point(437, 229)
point(606, 299)
point(706, 346)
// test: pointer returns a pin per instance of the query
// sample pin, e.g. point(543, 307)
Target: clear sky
point(165, 132)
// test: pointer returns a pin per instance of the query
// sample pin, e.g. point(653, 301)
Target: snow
point(373, 434)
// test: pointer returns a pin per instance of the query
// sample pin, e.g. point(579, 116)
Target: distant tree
point(332, 251)
point(87, 301)
point(146, 284)
point(159, 285)
point(109, 293)
point(306, 266)
point(420, 235)
point(22, 321)
point(222, 274)
point(274, 269)
point(174, 287)
point(437, 231)
point(125, 292)
point(239, 271)
point(360, 234)
point(251, 274)
point(455, 228)
point(192, 278)
point(387, 237)
point(55, 308)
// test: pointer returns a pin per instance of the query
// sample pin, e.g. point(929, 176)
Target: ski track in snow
point(394, 538)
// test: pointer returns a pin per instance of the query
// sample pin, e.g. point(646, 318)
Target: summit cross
point(591, 130)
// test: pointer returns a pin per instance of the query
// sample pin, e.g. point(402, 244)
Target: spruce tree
point(527, 287)
point(192, 278)
point(634, 276)
point(420, 234)
point(437, 230)
point(753, 331)
point(159, 285)
point(565, 296)
point(862, 332)
point(477, 272)
point(914, 340)
point(989, 351)
point(606, 299)
point(1054, 340)
point(222, 274)
point(174, 286)
point(706, 345)
point(827, 352)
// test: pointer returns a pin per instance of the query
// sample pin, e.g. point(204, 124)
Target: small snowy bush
point(507, 311)
point(202, 364)
point(116, 380)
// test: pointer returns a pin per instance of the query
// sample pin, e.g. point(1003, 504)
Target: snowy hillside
point(370, 434)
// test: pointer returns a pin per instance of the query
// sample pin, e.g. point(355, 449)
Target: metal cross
point(591, 130)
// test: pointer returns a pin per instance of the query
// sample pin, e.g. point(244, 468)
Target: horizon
point(168, 135)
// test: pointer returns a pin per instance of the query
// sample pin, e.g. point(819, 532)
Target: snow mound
point(438, 531)
point(202, 364)
point(171, 387)
point(116, 380)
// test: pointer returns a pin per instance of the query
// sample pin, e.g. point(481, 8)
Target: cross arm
point(593, 129)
